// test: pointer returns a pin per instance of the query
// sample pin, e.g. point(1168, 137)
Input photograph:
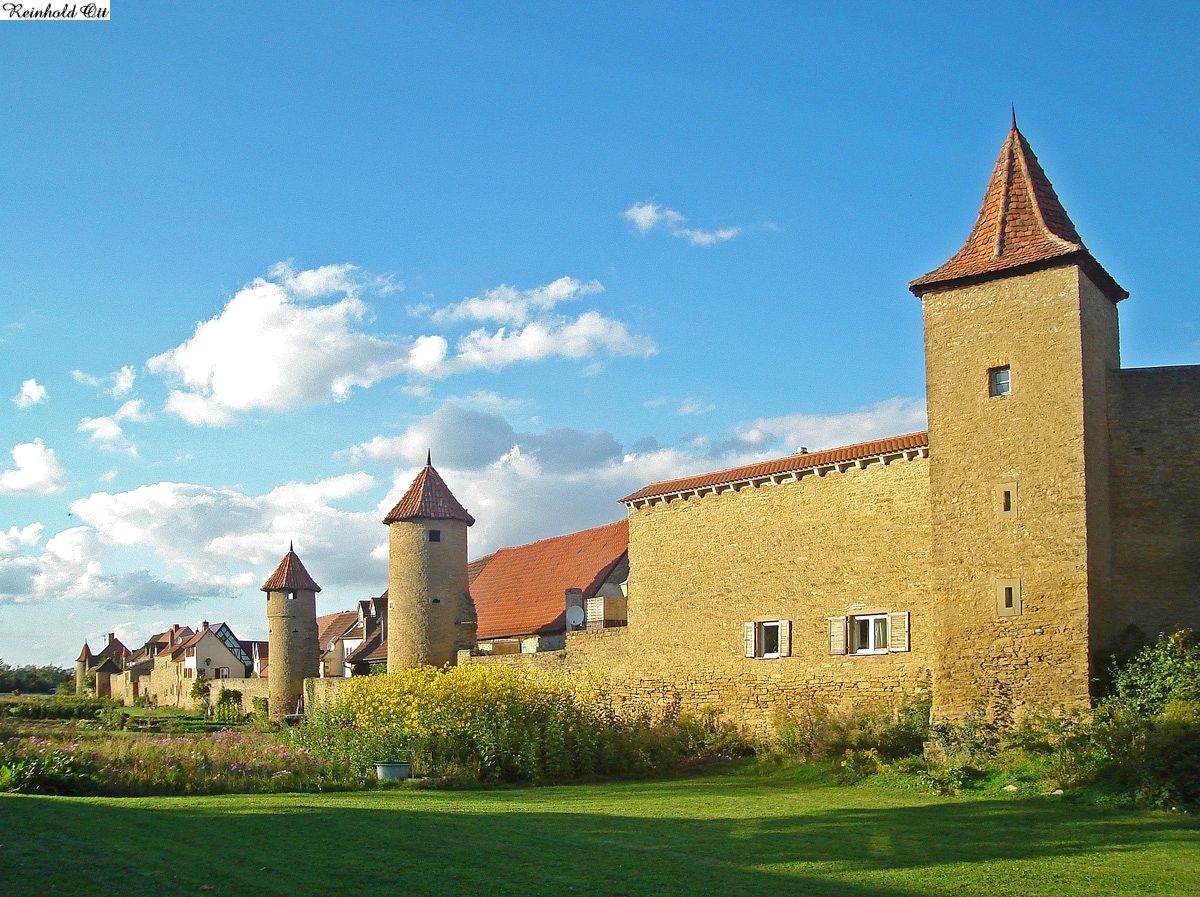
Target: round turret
point(430, 613)
point(291, 635)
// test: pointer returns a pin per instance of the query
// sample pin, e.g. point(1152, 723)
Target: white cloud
point(464, 438)
point(107, 433)
point(15, 539)
point(698, 237)
point(118, 384)
point(31, 393)
point(229, 539)
point(273, 348)
point(587, 335)
point(508, 305)
point(648, 216)
point(36, 471)
point(819, 431)
point(691, 406)
point(269, 349)
point(69, 569)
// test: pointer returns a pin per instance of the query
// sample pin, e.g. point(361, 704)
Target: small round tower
point(430, 613)
point(291, 635)
point(82, 662)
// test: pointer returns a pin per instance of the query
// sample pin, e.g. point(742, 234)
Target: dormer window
point(1000, 381)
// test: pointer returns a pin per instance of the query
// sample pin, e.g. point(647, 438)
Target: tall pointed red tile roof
point(290, 575)
point(428, 498)
point(85, 655)
point(1022, 226)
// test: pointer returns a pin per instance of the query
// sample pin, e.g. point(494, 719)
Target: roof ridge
point(803, 460)
point(578, 532)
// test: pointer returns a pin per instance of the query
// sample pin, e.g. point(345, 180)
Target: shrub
point(1168, 670)
point(56, 707)
point(811, 732)
point(497, 724)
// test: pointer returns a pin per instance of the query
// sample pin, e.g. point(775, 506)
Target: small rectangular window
point(1004, 499)
point(1000, 381)
point(435, 535)
point(1008, 598)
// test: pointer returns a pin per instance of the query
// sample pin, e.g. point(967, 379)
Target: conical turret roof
point(1021, 225)
point(428, 498)
point(85, 655)
point(290, 575)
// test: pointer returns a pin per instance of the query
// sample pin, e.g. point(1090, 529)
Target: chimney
point(204, 626)
point(112, 637)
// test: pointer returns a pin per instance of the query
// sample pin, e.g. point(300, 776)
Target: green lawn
point(737, 834)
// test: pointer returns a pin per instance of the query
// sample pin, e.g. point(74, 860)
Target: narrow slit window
point(1006, 501)
point(1008, 597)
point(1000, 381)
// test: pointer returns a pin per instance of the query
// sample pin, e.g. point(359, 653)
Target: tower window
point(1008, 598)
point(435, 535)
point(1000, 381)
point(1004, 499)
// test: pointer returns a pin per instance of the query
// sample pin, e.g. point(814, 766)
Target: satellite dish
point(575, 615)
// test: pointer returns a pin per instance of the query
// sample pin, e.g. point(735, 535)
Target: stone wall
point(1155, 432)
point(1057, 334)
point(430, 613)
point(847, 543)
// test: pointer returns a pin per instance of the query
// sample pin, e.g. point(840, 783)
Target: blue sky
point(256, 258)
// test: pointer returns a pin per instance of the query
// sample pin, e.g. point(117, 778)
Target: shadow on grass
point(401, 843)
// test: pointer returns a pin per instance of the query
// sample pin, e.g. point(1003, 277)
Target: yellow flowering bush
point(498, 724)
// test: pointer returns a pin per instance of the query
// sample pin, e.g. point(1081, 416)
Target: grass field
point(734, 834)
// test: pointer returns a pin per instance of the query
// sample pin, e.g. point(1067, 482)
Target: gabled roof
point(290, 575)
point(791, 464)
point(105, 665)
point(428, 498)
point(332, 627)
point(522, 590)
point(373, 650)
point(114, 649)
point(1022, 226)
point(475, 567)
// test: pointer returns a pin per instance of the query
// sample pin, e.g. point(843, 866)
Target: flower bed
point(227, 761)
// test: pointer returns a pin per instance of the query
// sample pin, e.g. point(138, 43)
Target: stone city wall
point(1155, 430)
point(855, 542)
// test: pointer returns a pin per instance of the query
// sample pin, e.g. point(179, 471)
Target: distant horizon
point(258, 264)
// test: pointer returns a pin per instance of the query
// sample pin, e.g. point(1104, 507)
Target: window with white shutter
point(837, 635)
point(898, 632)
point(767, 639)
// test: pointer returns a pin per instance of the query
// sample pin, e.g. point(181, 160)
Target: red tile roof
point(1021, 224)
point(290, 575)
point(332, 627)
point(790, 464)
point(522, 590)
point(85, 655)
point(475, 567)
point(428, 498)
